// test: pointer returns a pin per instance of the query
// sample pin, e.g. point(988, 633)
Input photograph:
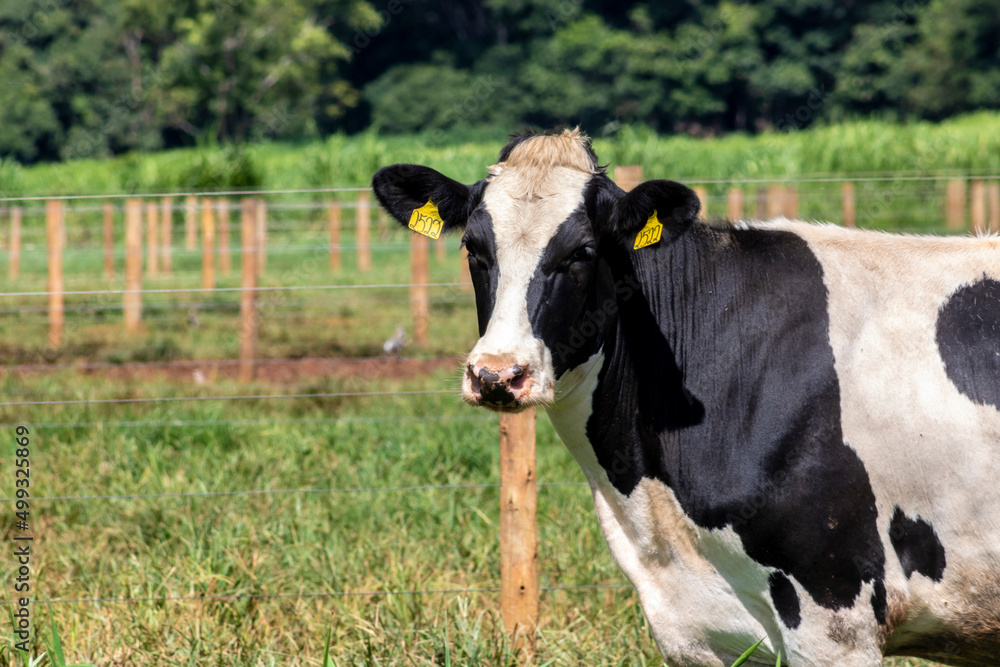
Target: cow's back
point(915, 331)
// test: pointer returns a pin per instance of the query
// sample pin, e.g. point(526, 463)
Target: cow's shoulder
point(720, 383)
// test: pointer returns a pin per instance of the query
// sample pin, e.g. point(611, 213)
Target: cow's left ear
point(676, 207)
point(405, 188)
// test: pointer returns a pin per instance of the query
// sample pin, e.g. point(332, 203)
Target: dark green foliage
point(103, 77)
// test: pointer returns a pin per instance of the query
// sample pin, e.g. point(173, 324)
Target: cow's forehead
point(527, 206)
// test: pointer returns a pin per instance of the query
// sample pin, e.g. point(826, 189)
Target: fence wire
point(306, 595)
point(248, 192)
point(249, 397)
point(269, 492)
point(269, 288)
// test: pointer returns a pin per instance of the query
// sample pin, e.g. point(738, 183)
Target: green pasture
point(312, 564)
point(198, 325)
point(319, 544)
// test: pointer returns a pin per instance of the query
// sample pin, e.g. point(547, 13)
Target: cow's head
point(539, 230)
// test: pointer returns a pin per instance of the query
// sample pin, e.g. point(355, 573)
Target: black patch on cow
point(917, 546)
point(565, 309)
point(786, 600)
point(879, 604)
point(719, 381)
point(480, 242)
point(968, 338)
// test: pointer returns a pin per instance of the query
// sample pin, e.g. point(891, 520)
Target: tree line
point(91, 78)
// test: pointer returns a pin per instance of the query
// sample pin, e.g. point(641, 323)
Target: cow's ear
point(676, 207)
point(405, 188)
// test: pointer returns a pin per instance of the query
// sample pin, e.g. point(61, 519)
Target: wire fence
point(250, 192)
point(305, 595)
point(268, 492)
point(80, 206)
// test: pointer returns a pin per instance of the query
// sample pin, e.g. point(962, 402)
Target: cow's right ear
point(676, 207)
point(405, 188)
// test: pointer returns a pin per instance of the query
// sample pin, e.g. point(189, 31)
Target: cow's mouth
point(508, 389)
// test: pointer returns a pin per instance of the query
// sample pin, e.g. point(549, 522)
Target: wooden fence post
point(775, 201)
point(518, 528)
point(133, 265)
point(152, 239)
point(760, 208)
point(260, 251)
point(248, 297)
point(994, 190)
point(955, 203)
point(334, 208)
point(167, 234)
point(225, 255)
point(207, 244)
point(419, 301)
point(15, 241)
point(109, 239)
point(702, 194)
point(847, 203)
point(190, 222)
point(363, 231)
point(54, 241)
point(734, 205)
point(791, 203)
point(977, 206)
point(628, 176)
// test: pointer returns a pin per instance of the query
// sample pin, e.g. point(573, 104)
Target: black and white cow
point(791, 430)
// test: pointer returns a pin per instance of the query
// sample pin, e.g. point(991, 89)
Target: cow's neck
point(719, 382)
point(572, 409)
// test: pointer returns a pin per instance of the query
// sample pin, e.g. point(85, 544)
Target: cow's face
point(533, 231)
point(533, 259)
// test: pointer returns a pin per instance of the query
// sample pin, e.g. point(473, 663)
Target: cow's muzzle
point(504, 388)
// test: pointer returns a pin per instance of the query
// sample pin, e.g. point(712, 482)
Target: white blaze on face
point(526, 203)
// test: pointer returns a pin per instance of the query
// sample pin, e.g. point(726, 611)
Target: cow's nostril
point(517, 382)
point(475, 384)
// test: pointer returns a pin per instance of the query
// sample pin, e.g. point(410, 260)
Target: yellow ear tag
point(427, 221)
point(649, 234)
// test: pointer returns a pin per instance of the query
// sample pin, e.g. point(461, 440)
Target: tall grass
point(963, 144)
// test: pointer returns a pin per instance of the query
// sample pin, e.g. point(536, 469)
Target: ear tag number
point(649, 234)
point(427, 221)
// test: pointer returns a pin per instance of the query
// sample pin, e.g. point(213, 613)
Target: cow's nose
point(498, 387)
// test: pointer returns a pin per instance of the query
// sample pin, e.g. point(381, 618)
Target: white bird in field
point(394, 345)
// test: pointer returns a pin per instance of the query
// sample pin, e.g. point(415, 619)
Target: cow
point(791, 430)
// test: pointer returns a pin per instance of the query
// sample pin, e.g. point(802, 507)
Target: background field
point(302, 555)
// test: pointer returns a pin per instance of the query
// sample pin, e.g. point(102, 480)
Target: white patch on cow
point(529, 195)
point(696, 616)
point(927, 447)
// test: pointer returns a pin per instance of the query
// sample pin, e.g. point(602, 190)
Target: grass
point(290, 543)
point(298, 323)
point(968, 143)
point(268, 545)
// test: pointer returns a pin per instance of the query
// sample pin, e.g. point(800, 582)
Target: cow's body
point(848, 344)
point(791, 431)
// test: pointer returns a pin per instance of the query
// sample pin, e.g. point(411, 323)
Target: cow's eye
point(580, 255)
point(475, 256)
